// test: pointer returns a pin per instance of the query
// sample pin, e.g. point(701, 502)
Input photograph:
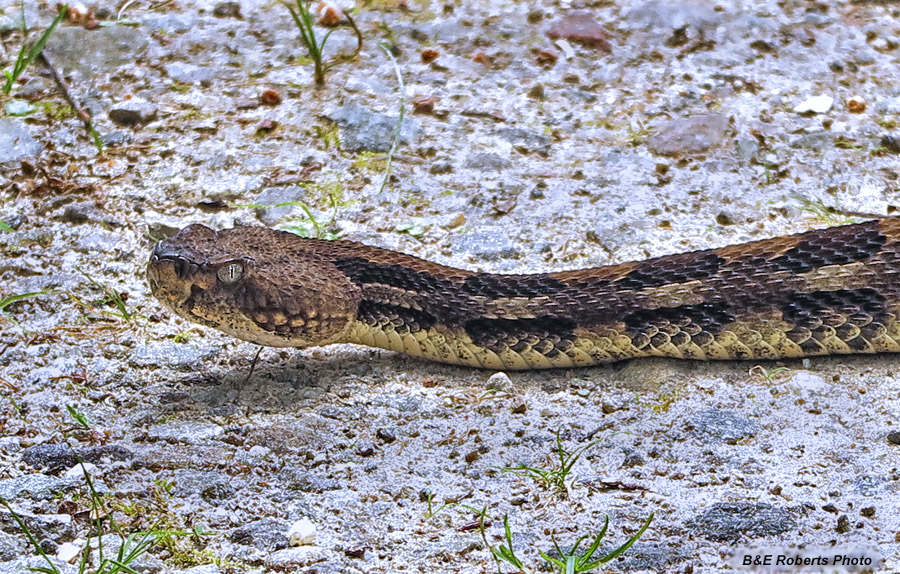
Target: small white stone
point(808, 382)
point(302, 533)
point(499, 381)
point(815, 104)
point(78, 470)
point(566, 47)
point(69, 551)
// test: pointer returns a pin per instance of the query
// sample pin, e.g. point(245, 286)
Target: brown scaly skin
point(822, 292)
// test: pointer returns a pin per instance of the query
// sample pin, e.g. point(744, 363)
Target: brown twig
point(82, 114)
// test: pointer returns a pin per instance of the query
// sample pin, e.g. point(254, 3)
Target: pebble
point(814, 105)
point(227, 10)
point(581, 28)
point(69, 551)
point(135, 111)
point(78, 470)
point(49, 457)
point(856, 104)
point(685, 136)
point(302, 533)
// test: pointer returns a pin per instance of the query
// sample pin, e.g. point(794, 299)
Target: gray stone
point(726, 426)
point(98, 51)
point(116, 138)
point(487, 245)
point(487, 161)
point(52, 526)
point(746, 148)
point(729, 521)
point(190, 73)
point(106, 453)
point(272, 216)
point(365, 130)
point(267, 534)
point(52, 457)
point(133, 112)
point(821, 140)
point(685, 136)
point(11, 16)
point(526, 141)
point(16, 142)
point(38, 486)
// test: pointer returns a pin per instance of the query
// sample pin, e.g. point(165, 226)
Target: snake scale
point(828, 291)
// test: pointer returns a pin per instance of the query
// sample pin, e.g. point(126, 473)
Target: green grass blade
point(395, 141)
point(7, 301)
point(37, 545)
point(618, 551)
point(27, 55)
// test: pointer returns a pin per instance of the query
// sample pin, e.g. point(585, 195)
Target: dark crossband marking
point(835, 246)
point(500, 286)
point(709, 317)
point(547, 334)
point(402, 318)
point(362, 271)
point(671, 269)
point(831, 308)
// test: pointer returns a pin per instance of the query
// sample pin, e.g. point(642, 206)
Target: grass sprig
point(315, 48)
point(554, 477)
point(28, 53)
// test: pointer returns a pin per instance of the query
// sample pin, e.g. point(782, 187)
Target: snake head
point(256, 284)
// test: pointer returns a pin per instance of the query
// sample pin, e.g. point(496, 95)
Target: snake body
point(828, 291)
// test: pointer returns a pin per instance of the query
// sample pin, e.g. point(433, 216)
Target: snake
point(827, 291)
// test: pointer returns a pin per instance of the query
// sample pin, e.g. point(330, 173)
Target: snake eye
point(230, 273)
